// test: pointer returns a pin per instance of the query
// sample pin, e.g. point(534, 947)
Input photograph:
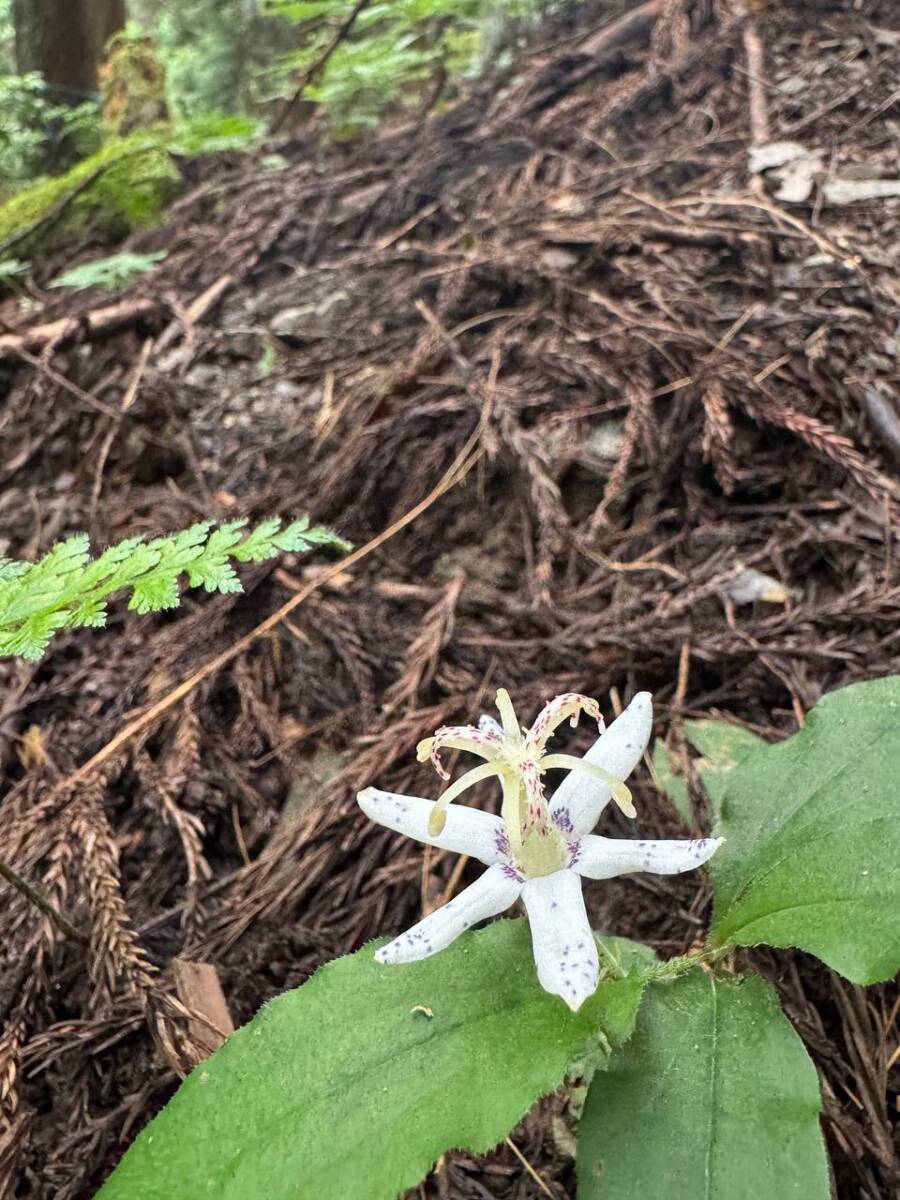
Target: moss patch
point(121, 187)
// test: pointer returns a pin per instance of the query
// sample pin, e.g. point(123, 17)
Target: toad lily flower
point(535, 850)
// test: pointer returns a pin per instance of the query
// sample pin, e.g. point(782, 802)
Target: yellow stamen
point(568, 762)
point(511, 729)
point(438, 817)
point(512, 808)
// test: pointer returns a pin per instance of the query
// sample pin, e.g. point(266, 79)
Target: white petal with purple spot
point(565, 952)
point(579, 800)
point(492, 893)
point(467, 830)
point(602, 858)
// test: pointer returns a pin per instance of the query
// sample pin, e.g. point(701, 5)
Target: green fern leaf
point(258, 545)
point(33, 636)
point(155, 593)
point(10, 570)
point(67, 589)
point(89, 614)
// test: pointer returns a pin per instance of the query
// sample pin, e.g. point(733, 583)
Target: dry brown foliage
point(664, 372)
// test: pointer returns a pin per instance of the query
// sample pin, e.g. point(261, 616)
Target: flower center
point(542, 853)
point(535, 844)
point(518, 759)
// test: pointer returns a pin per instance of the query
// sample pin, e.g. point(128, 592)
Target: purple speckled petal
point(493, 893)
point(565, 952)
point(467, 831)
point(617, 751)
point(562, 819)
point(603, 858)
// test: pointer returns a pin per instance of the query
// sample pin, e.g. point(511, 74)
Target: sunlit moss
point(121, 187)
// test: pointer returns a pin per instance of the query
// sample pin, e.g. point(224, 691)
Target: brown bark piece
point(199, 990)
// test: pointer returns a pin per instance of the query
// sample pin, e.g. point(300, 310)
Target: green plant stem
point(674, 967)
point(33, 896)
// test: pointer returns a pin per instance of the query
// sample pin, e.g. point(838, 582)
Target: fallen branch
point(630, 23)
point(86, 327)
point(195, 311)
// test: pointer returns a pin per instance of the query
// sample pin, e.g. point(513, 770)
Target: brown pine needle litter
point(562, 367)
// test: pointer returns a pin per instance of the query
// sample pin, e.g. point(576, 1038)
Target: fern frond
point(67, 589)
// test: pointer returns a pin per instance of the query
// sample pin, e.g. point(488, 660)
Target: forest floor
point(576, 366)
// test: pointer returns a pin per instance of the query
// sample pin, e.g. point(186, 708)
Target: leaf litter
point(664, 378)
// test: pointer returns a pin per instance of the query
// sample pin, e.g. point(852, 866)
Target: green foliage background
point(227, 57)
point(230, 66)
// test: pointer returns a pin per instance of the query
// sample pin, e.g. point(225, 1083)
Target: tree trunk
point(64, 40)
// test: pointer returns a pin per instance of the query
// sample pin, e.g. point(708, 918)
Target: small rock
point(793, 85)
point(568, 202)
point(314, 320)
point(245, 343)
point(201, 375)
point(286, 389)
point(775, 154)
point(796, 179)
point(558, 259)
point(605, 440)
point(849, 191)
point(752, 585)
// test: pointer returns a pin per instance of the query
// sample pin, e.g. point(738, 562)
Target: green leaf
point(671, 783)
point(88, 613)
point(299, 535)
point(215, 133)
point(155, 593)
point(714, 1098)
point(619, 956)
point(33, 635)
point(211, 569)
point(9, 569)
point(723, 746)
point(257, 545)
point(10, 268)
point(43, 581)
point(812, 857)
point(67, 588)
point(354, 1084)
point(115, 271)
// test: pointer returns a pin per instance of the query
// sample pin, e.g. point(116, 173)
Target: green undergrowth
point(122, 187)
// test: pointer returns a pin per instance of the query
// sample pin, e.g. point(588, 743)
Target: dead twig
point(759, 113)
point(98, 323)
point(36, 898)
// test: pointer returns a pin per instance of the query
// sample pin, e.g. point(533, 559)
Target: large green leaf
point(812, 856)
point(714, 1098)
point(723, 746)
point(354, 1084)
point(721, 743)
point(671, 782)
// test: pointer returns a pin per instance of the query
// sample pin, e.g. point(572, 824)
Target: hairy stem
point(686, 962)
